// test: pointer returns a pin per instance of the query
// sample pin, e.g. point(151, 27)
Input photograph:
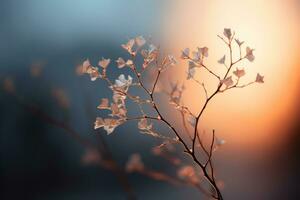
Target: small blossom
point(86, 64)
point(169, 60)
point(152, 48)
point(129, 63)
point(89, 69)
point(176, 94)
point(196, 56)
point(123, 82)
point(120, 62)
point(249, 54)
point(143, 124)
point(140, 41)
point(134, 163)
point(239, 72)
point(109, 124)
point(149, 55)
point(227, 82)
point(128, 46)
point(104, 104)
point(203, 51)
point(191, 70)
point(118, 110)
point(185, 53)
point(259, 78)
point(222, 60)
point(104, 63)
point(240, 43)
point(227, 33)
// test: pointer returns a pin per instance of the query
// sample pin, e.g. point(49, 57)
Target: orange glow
point(258, 114)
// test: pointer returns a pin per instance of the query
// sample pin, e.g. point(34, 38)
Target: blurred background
point(46, 122)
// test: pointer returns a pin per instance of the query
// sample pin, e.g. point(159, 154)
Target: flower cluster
point(151, 57)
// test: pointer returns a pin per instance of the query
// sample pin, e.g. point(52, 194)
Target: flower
point(196, 56)
point(118, 109)
point(239, 72)
point(249, 54)
point(89, 69)
point(104, 63)
point(120, 62)
point(227, 82)
point(140, 41)
point(203, 51)
point(123, 82)
point(170, 60)
point(191, 70)
point(149, 55)
point(227, 33)
point(185, 53)
point(86, 64)
point(143, 124)
point(128, 46)
point(222, 60)
point(104, 104)
point(109, 124)
point(259, 78)
point(134, 163)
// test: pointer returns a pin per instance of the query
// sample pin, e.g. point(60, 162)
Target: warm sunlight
point(272, 30)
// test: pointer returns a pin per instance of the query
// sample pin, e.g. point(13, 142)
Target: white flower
point(191, 70)
point(152, 49)
point(185, 53)
point(169, 61)
point(123, 82)
point(259, 78)
point(104, 63)
point(128, 46)
point(86, 64)
point(239, 72)
point(143, 124)
point(203, 51)
point(222, 60)
point(120, 62)
point(140, 41)
point(249, 54)
point(89, 69)
point(104, 104)
point(172, 60)
point(196, 56)
point(109, 124)
point(227, 33)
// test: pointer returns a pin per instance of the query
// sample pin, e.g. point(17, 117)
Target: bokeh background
point(260, 124)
